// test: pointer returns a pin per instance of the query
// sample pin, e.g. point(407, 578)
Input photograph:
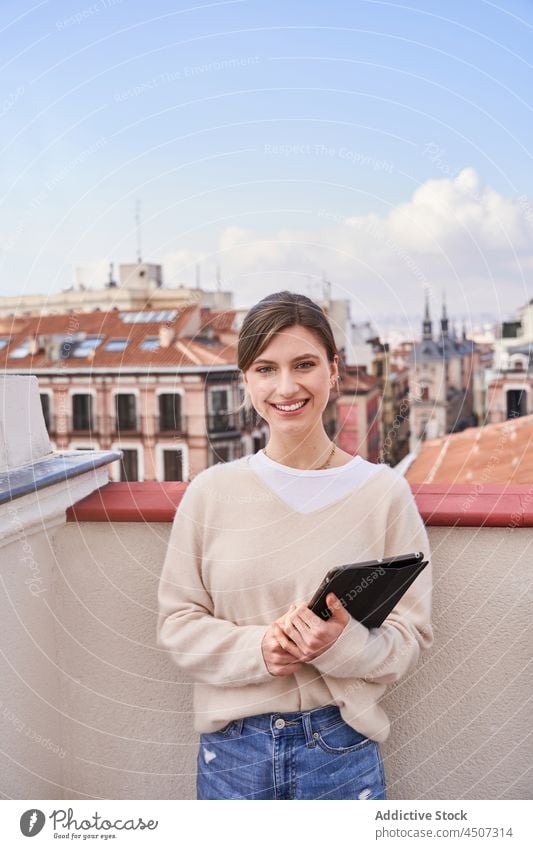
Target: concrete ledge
point(462, 505)
point(54, 469)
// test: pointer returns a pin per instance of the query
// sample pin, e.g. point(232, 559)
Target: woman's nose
point(287, 384)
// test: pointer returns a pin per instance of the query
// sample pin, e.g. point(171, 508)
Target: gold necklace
point(326, 464)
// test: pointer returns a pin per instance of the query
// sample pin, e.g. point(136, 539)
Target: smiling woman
point(289, 361)
point(286, 703)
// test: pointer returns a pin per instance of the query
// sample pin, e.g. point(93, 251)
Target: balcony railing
point(113, 426)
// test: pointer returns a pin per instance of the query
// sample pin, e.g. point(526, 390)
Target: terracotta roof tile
point(183, 351)
point(496, 453)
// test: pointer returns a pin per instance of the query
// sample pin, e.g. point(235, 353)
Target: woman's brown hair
point(274, 313)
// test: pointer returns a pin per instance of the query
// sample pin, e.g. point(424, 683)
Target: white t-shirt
point(306, 490)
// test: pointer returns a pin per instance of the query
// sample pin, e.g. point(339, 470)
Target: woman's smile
point(290, 409)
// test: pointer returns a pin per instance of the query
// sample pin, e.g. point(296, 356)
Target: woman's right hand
point(277, 660)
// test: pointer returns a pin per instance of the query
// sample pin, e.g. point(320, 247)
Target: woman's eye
point(264, 369)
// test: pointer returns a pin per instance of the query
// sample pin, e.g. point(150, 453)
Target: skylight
point(149, 343)
point(147, 316)
point(85, 346)
point(4, 340)
point(22, 351)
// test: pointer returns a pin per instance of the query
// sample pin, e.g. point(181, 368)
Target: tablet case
point(371, 589)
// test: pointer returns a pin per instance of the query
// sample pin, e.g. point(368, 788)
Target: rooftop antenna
point(111, 281)
point(138, 228)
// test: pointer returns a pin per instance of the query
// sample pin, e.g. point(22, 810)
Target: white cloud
point(453, 234)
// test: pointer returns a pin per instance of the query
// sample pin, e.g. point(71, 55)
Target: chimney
point(166, 336)
point(34, 346)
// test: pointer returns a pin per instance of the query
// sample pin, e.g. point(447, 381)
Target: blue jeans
point(309, 755)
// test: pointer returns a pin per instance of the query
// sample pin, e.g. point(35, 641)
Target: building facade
point(441, 380)
point(161, 386)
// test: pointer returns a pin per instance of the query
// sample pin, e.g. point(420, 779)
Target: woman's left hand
point(306, 635)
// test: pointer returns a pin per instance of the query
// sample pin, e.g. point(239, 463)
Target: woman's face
point(293, 368)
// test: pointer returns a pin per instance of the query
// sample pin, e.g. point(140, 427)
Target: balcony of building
point(92, 708)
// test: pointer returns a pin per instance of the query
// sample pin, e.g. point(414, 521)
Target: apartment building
point(160, 385)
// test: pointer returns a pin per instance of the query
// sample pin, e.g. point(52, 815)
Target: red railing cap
point(461, 505)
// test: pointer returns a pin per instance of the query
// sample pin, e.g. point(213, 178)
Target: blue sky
point(253, 131)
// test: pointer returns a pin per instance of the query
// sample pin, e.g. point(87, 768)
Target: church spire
point(427, 327)
point(444, 320)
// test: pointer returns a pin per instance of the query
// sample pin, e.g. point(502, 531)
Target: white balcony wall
point(122, 710)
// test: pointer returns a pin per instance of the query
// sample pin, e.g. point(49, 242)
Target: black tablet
point(371, 589)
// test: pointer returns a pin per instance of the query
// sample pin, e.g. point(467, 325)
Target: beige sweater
point(238, 556)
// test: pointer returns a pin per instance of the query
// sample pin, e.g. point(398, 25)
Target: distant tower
point(444, 320)
point(218, 278)
point(111, 283)
point(197, 275)
point(427, 327)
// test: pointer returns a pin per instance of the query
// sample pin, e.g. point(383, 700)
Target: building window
point(129, 465)
point(125, 411)
point(45, 404)
point(220, 454)
point(82, 412)
point(516, 403)
point(172, 465)
point(425, 393)
point(170, 411)
point(218, 418)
